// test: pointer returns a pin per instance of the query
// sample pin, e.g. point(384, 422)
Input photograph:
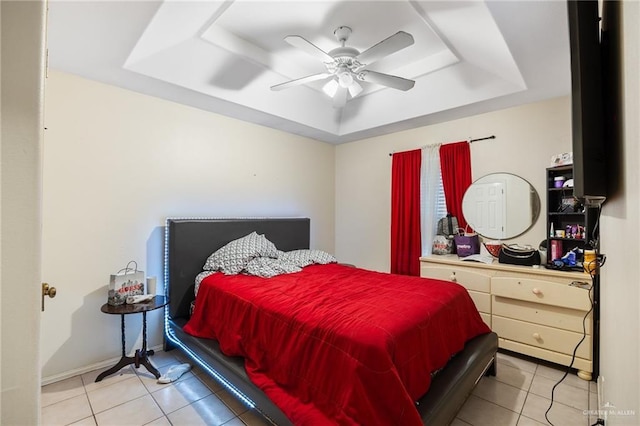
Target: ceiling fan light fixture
point(345, 79)
point(355, 89)
point(346, 65)
point(331, 88)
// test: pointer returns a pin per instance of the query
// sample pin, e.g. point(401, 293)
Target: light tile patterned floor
point(518, 395)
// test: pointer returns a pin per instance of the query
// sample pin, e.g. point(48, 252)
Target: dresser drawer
point(544, 292)
point(552, 316)
point(486, 318)
point(552, 339)
point(471, 280)
point(584, 365)
point(481, 300)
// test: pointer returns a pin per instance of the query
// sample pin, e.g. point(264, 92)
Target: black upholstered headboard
point(189, 242)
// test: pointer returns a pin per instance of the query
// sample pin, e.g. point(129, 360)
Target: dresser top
point(452, 259)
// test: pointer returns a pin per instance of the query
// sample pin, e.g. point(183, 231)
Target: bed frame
point(188, 243)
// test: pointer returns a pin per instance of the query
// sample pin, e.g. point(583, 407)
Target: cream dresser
point(535, 311)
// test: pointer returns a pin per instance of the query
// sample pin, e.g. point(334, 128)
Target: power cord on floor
point(573, 356)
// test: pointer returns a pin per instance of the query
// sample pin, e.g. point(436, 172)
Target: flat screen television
point(587, 103)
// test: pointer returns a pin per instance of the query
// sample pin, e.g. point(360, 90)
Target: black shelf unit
point(563, 209)
point(567, 214)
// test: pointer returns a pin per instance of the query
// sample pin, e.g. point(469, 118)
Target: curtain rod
point(470, 141)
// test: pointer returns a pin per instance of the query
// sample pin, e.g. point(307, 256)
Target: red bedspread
point(338, 345)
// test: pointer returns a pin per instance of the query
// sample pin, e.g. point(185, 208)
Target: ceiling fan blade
point(386, 47)
point(392, 81)
point(308, 47)
point(330, 88)
point(340, 98)
point(300, 81)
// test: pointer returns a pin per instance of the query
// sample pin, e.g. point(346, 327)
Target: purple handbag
point(467, 244)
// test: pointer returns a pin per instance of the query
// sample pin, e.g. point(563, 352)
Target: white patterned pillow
point(267, 267)
point(201, 276)
point(304, 258)
point(233, 257)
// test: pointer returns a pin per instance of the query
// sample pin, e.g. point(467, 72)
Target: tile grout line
point(526, 397)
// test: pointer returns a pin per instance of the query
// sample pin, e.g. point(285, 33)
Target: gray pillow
point(267, 267)
point(304, 258)
point(234, 257)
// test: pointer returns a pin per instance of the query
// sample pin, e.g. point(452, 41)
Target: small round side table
point(141, 356)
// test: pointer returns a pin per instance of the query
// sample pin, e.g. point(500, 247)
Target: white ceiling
point(469, 57)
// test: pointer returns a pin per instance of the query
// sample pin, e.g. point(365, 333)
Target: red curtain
point(405, 213)
point(455, 166)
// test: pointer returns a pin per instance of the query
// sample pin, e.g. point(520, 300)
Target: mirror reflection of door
point(500, 206)
point(488, 202)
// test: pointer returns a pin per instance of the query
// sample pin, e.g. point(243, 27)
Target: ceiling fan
point(345, 65)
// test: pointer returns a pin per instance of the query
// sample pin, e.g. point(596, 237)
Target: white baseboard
point(78, 371)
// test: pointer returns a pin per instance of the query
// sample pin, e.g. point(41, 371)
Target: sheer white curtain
point(432, 203)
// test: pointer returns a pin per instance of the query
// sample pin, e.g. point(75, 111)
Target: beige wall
point(620, 291)
point(116, 164)
point(526, 138)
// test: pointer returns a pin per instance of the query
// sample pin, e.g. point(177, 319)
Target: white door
point(21, 116)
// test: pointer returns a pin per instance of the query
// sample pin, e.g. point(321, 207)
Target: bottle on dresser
point(556, 249)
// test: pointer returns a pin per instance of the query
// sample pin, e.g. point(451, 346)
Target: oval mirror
point(501, 206)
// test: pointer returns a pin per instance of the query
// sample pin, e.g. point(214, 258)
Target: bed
point(189, 242)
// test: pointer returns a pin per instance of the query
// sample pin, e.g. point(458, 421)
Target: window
point(441, 202)
point(432, 198)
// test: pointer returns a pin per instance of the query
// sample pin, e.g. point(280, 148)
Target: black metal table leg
point(142, 356)
point(124, 360)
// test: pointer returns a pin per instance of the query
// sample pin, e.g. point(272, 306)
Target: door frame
point(22, 28)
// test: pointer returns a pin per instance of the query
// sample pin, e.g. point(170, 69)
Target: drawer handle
point(453, 278)
point(536, 336)
point(537, 292)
